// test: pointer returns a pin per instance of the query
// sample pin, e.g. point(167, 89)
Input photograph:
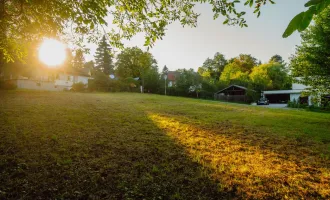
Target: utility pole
point(165, 77)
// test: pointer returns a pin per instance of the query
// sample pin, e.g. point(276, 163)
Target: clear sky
point(189, 47)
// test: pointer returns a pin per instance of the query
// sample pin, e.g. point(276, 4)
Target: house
point(52, 80)
point(65, 78)
point(283, 96)
point(172, 77)
point(234, 93)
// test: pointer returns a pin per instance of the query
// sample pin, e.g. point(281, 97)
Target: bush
point(206, 95)
point(296, 104)
point(78, 87)
point(8, 85)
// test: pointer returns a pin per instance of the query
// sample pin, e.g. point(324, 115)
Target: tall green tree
point(311, 61)
point(245, 62)
point(233, 74)
point(276, 58)
point(270, 76)
point(89, 65)
point(133, 62)
point(152, 81)
point(212, 68)
point(188, 82)
point(78, 60)
point(164, 71)
point(103, 57)
point(25, 20)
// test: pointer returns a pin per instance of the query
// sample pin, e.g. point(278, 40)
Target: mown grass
point(132, 146)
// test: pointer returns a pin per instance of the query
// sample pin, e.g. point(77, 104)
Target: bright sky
point(189, 47)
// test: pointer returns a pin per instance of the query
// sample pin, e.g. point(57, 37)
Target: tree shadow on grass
point(252, 164)
point(97, 147)
point(117, 156)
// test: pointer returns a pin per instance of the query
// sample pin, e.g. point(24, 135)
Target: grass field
point(139, 146)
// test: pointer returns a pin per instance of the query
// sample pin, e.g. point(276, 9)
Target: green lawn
point(58, 145)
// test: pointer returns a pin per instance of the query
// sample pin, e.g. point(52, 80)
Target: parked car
point(263, 101)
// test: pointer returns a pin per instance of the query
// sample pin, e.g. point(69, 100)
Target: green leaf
point(321, 6)
point(306, 20)
point(293, 25)
point(226, 21)
point(313, 2)
point(251, 3)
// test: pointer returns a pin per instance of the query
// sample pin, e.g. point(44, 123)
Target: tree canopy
point(311, 61)
point(22, 21)
point(212, 68)
point(270, 76)
point(103, 57)
point(234, 74)
point(78, 60)
point(276, 58)
point(135, 63)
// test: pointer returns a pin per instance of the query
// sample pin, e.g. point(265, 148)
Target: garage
point(283, 96)
point(278, 98)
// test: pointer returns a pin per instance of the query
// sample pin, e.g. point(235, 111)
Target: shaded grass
point(132, 146)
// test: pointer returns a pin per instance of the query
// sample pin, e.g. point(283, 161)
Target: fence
point(232, 98)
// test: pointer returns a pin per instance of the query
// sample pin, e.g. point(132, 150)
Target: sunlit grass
point(57, 145)
point(252, 171)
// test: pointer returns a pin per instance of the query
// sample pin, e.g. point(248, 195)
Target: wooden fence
point(232, 98)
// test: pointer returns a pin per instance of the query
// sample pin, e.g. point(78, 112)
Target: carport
point(282, 96)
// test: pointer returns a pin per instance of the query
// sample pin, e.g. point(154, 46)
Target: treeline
point(134, 68)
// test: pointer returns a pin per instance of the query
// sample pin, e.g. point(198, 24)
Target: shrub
point(296, 104)
point(78, 87)
point(8, 85)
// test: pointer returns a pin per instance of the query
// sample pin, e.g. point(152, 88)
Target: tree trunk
point(2, 33)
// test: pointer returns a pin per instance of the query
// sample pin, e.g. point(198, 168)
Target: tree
point(311, 61)
point(245, 62)
point(276, 58)
point(133, 62)
point(188, 82)
point(103, 57)
point(78, 60)
point(164, 71)
point(68, 62)
point(233, 74)
point(212, 68)
point(260, 78)
point(270, 76)
point(301, 21)
point(89, 65)
point(152, 79)
point(26, 20)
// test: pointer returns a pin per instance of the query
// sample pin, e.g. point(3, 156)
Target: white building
point(65, 79)
point(57, 80)
point(283, 96)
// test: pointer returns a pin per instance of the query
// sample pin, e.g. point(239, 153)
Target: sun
point(52, 52)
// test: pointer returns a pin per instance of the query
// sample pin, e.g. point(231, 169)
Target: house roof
point(241, 87)
point(172, 75)
point(283, 92)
